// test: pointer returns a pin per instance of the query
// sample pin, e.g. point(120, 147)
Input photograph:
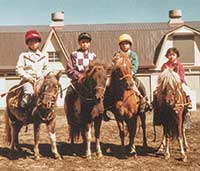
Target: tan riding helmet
point(125, 37)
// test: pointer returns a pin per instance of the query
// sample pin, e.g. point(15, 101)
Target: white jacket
point(32, 64)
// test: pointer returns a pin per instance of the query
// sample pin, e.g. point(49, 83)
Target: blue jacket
point(134, 61)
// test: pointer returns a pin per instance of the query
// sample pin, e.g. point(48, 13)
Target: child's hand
point(31, 80)
point(81, 78)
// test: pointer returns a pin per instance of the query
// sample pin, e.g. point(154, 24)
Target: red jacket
point(177, 67)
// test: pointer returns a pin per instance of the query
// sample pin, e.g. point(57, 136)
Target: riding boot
point(25, 101)
point(189, 102)
point(148, 106)
point(144, 105)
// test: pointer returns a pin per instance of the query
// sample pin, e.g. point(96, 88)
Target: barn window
point(54, 56)
point(185, 45)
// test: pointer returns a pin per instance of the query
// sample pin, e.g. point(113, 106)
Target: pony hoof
point(89, 157)
point(37, 157)
point(160, 151)
point(167, 156)
point(58, 157)
point(187, 149)
point(99, 154)
point(18, 149)
point(134, 154)
point(185, 159)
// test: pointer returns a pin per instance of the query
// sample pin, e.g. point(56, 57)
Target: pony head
point(123, 69)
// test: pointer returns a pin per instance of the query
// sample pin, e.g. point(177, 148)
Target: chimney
point(57, 19)
point(175, 17)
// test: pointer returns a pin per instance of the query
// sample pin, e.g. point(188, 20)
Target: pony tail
point(7, 130)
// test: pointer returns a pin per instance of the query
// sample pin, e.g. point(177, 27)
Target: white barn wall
point(197, 50)
point(149, 81)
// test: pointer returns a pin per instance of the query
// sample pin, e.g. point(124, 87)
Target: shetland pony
point(41, 110)
point(84, 107)
point(169, 110)
point(122, 100)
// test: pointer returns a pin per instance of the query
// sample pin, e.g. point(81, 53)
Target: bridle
point(88, 98)
point(121, 61)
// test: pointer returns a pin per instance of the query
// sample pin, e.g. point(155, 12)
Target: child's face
point(172, 56)
point(33, 44)
point(84, 44)
point(125, 46)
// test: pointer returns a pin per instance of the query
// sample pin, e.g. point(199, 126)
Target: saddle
point(16, 97)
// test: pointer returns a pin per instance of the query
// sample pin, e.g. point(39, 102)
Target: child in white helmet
point(31, 65)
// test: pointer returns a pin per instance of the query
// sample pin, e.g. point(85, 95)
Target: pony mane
point(169, 77)
point(93, 65)
point(119, 58)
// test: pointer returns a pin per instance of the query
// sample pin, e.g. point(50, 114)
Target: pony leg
point(161, 148)
point(52, 135)
point(15, 128)
point(36, 140)
point(185, 141)
point(143, 122)
point(180, 140)
point(180, 135)
point(97, 126)
point(132, 128)
point(120, 125)
point(88, 138)
point(167, 154)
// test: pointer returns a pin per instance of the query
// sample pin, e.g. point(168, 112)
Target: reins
point(14, 89)
point(125, 76)
point(86, 98)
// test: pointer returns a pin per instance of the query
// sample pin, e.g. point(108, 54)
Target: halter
point(87, 98)
point(123, 63)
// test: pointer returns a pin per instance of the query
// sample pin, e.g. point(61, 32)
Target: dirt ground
point(110, 143)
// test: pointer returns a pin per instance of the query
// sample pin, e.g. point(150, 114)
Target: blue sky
point(38, 12)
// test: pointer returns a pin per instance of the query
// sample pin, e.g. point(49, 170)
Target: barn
point(150, 42)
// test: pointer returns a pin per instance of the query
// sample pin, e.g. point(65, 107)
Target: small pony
point(41, 111)
point(85, 107)
point(169, 110)
point(121, 99)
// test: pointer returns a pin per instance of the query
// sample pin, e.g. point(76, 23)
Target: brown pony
point(123, 101)
point(169, 111)
point(85, 107)
point(40, 111)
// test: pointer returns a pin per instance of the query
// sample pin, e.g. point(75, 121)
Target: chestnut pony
point(84, 107)
point(41, 110)
point(121, 99)
point(169, 110)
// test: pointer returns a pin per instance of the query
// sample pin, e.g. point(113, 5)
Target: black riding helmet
point(84, 36)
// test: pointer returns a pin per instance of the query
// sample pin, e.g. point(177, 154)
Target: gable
point(186, 40)
point(56, 53)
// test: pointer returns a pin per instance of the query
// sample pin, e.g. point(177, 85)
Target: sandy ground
point(110, 143)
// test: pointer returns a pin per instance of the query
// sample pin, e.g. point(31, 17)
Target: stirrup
point(189, 106)
point(107, 116)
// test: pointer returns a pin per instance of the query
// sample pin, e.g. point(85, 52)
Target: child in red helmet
point(31, 65)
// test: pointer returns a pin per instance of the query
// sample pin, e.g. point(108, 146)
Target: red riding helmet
point(32, 34)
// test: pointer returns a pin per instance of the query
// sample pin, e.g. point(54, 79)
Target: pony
point(41, 110)
point(84, 107)
point(122, 100)
point(170, 111)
